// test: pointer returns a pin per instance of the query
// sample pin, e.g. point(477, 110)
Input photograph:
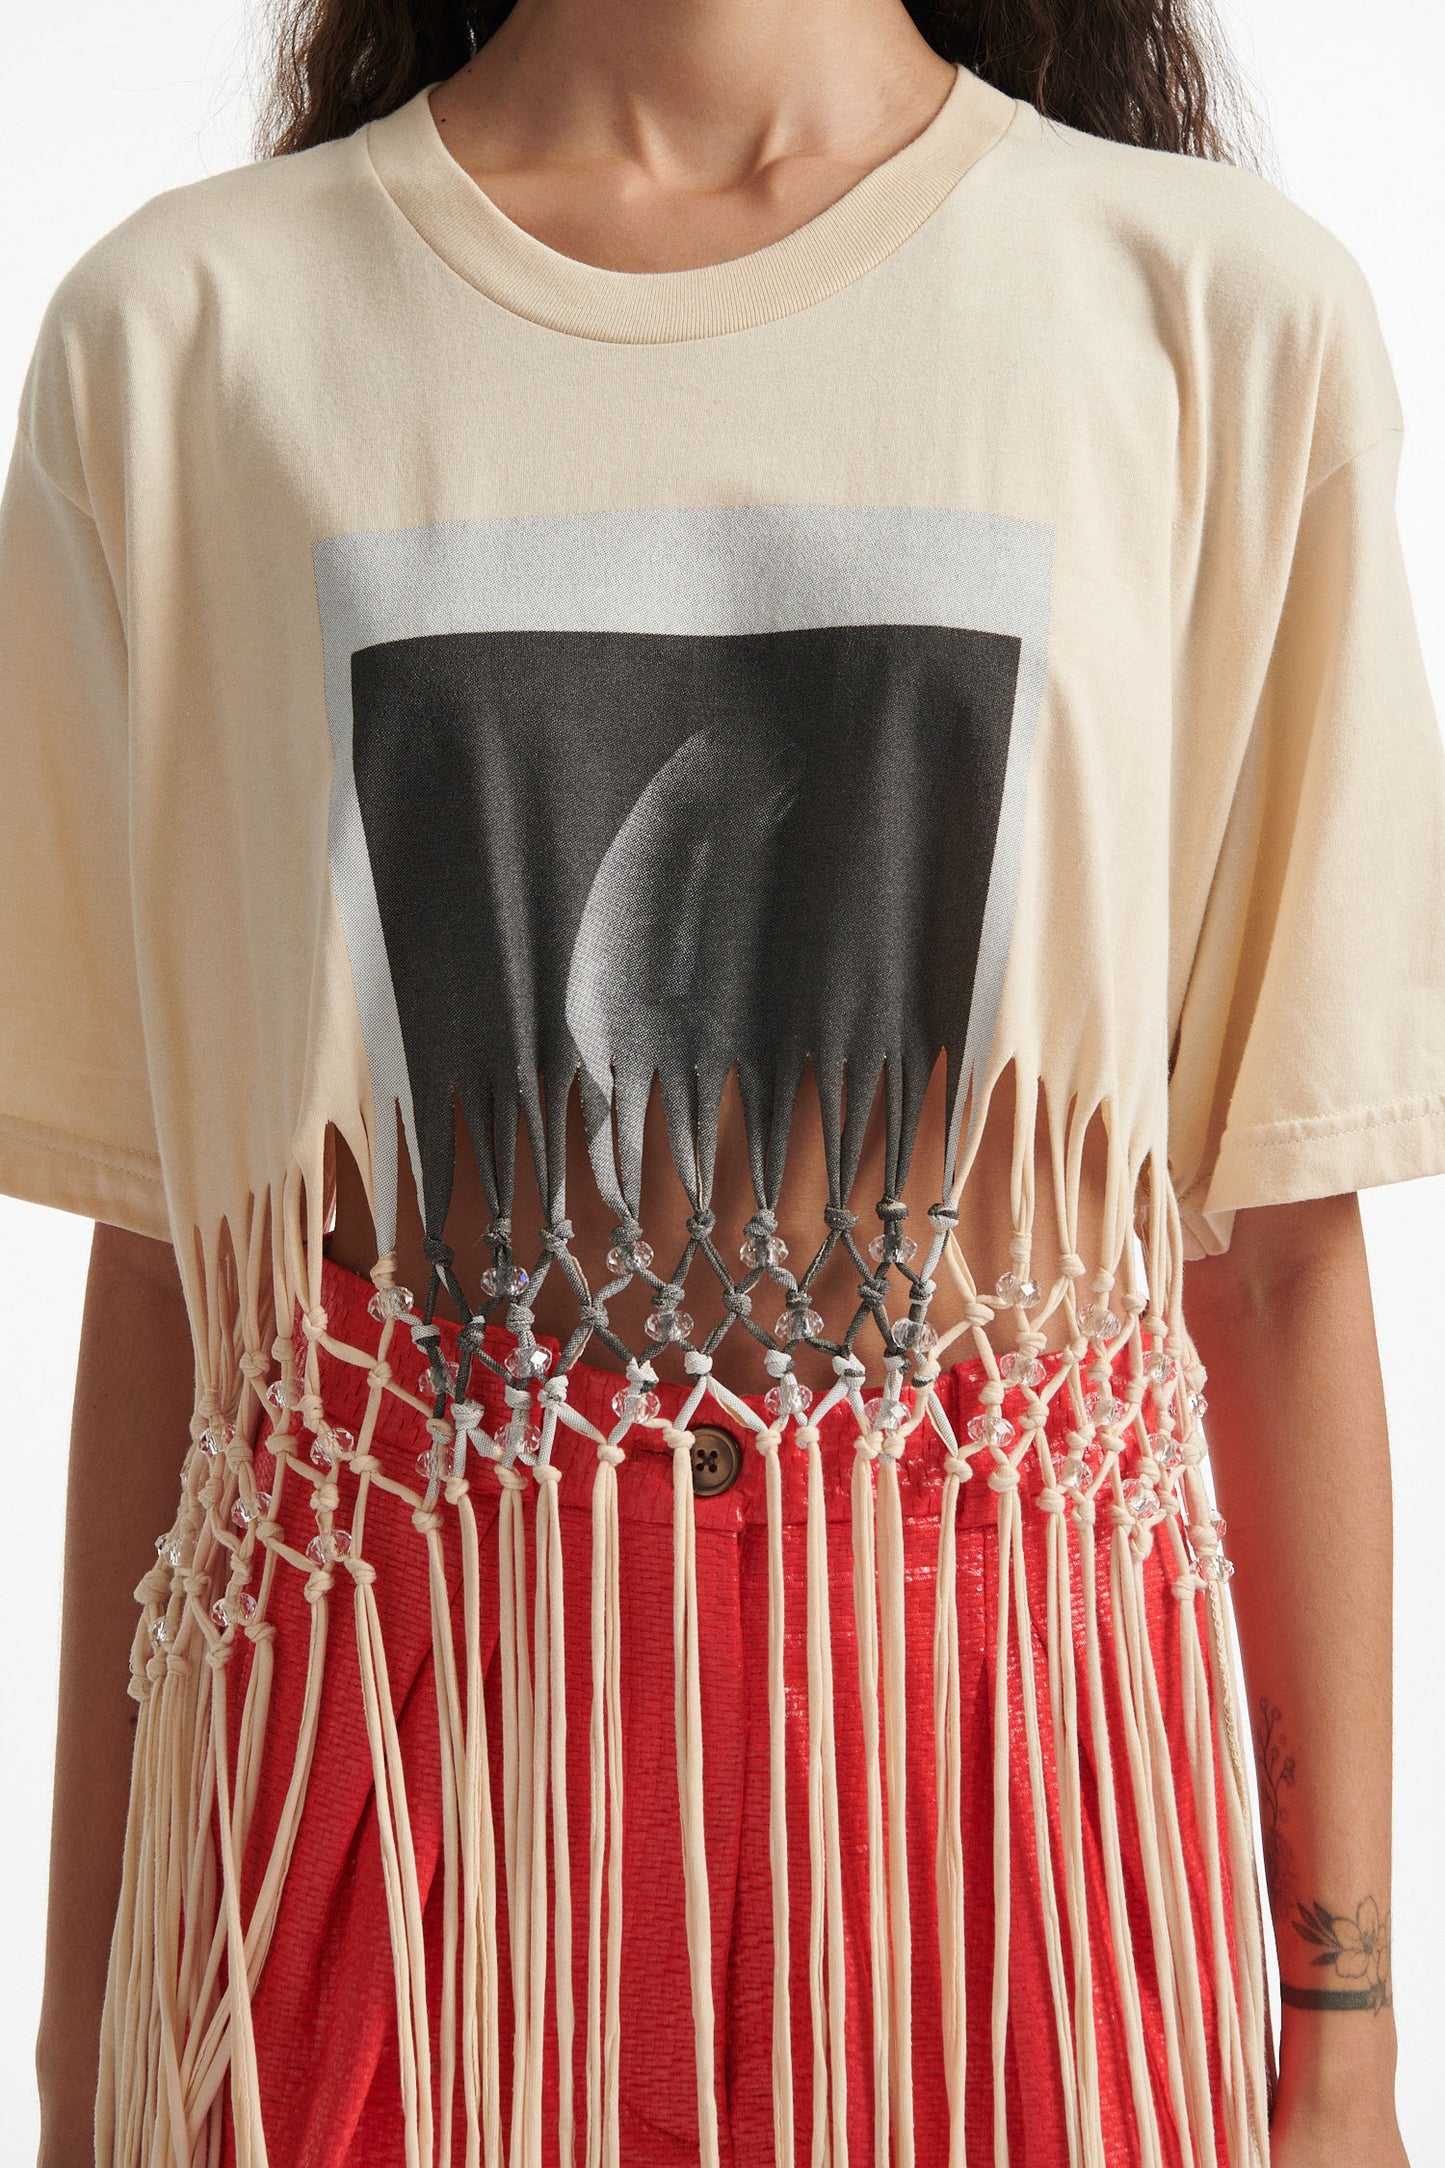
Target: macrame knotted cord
point(170, 2059)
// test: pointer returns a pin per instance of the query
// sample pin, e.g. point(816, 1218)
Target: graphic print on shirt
point(624, 797)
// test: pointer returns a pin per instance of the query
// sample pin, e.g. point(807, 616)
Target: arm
point(129, 1431)
point(1284, 1325)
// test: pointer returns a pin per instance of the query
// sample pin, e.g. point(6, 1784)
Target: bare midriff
point(984, 1230)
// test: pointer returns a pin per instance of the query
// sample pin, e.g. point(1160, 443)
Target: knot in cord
point(437, 1252)
point(701, 1223)
point(838, 1218)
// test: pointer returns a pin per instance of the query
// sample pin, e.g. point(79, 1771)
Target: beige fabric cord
point(893, 1639)
point(865, 1613)
point(948, 1762)
point(783, 2134)
point(688, 1704)
point(827, 1977)
point(605, 1854)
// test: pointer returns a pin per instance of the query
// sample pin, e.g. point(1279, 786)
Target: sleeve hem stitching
point(139, 1166)
point(1263, 1136)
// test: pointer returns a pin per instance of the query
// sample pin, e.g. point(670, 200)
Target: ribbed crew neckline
point(460, 222)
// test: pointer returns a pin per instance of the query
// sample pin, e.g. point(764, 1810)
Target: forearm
point(1300, 1456)
point(128, 1436)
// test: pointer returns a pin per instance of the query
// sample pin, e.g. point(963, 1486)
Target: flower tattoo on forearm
point(1356, 1950)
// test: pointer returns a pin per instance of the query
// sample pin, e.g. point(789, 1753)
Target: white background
point(103, 106)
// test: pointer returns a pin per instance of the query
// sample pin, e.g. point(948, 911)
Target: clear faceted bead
point(1011, 1289)
point(168, 1550)
point(915, 1334)
point(527, 1360)
point(991, 1429)
point(1019, 1370)
point(329, 1444)
point(636, 1406)
point(243, 1515)
point(1215, 1566)
point(905, 1249)
point(281, 1396)
point(793, 1399)
point(1197, 1405)
point(441, 1463)
point(637, 1257)
point(1105, 1409)
point(329, 1545)
point(1218, 1523)
point(1069, 1474)
point(1142, 1501)
point(800, 1324)
point(389, 1302)
point(215, 1438)
point(1100, 1323)
point(1160, 1367)
point(519, 1441)
point(873, 1409)
point(767, 1250)
point(234, 1610)
point(668, 1325)
point(159, 1631)
point(511, 1280)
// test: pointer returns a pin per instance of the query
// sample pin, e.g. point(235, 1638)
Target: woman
point(691, 634)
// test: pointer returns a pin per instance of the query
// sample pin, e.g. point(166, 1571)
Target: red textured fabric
point(325, 2012)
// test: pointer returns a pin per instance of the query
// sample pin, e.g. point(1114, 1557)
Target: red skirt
point(325, 2015)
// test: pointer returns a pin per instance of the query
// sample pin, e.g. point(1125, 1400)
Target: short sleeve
point(1309, 1057)
point(76, 1129)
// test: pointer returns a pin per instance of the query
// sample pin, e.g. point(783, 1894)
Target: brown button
point(717, 1460)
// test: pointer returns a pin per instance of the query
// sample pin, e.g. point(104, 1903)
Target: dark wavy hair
point(1152, 72)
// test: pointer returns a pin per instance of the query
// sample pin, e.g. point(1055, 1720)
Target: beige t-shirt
point(971, 627)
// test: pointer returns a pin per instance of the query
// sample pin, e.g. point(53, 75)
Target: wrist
point(1341, 2061)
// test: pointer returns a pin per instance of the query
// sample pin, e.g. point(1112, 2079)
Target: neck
point(716, 90)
